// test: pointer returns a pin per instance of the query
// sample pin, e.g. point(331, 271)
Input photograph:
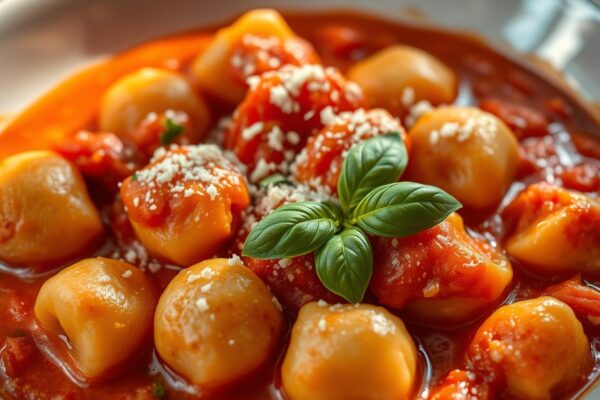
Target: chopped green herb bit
point(172, 130)
point(134, 177)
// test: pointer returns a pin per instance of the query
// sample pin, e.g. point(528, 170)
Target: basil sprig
point(372, 201)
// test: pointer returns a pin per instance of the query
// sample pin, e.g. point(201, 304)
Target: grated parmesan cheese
point(322, 324)
point(250, 132)
point(293, 137)
point(416, 111)
point(381, 325)
point(212, 191)
point(207, 273)
point(235, 260)
point(198, 169)
point(202, 304)
point(206, 288)
point(275, 138)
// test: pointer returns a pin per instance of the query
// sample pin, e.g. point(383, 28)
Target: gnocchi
point(258, 42)
point(185, 205)
point(399, 76)
point(216, 322)
point(442, 274)
point(42, 234)
point(467, 152)
point(554, 229)
point(537, 346)
point(145, 94)
point(103, 306)
point(349, 352)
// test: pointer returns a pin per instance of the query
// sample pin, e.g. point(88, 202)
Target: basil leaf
point(369, 164)
point(345, 264)
point(172, 130)
point(274, 180)
point(402, 209)
point(293, 230)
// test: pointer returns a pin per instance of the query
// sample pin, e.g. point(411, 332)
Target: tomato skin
point(320, 162)
point(274, 121)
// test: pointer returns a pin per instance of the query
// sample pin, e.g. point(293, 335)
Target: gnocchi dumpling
point(398, 77)
point(186, 204)
point(46, 214)
point(147, 92)
point(467, 152)
point(103, 306)
point(216, 322)
point(537, 347)
point(258, 42)
point(554, 229)
point(441, 274)
point(347, 352)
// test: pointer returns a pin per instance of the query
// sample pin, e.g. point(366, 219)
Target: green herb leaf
point(345, 264)
point(172, 130)
point(369, 164)
point(158, 389)
point(134, 177)
point(293, 230)
point(274, 180)
point(402, 209)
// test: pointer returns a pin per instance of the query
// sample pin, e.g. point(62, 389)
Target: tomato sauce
point(530, 100)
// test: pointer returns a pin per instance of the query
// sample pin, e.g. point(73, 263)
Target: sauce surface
point(483, 74)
